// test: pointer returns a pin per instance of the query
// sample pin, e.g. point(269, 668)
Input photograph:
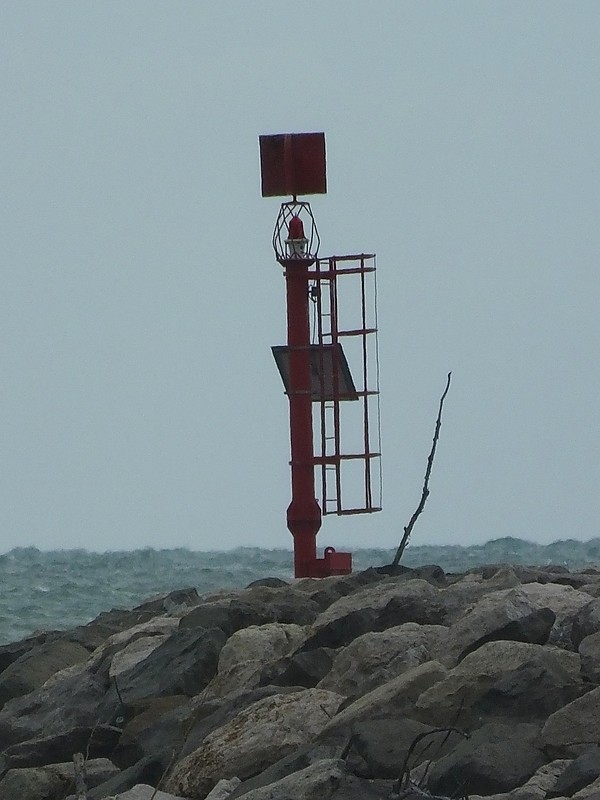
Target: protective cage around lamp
point(295, 236)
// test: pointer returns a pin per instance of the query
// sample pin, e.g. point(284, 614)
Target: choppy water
point(63, 588)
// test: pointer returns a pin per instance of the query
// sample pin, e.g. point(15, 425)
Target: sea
point(59, 589)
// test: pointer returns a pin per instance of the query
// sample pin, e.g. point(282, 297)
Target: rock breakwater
point(374, 685)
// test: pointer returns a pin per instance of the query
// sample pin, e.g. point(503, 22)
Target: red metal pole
point(304, 513)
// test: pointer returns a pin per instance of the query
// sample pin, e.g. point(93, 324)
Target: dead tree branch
point(425, 493)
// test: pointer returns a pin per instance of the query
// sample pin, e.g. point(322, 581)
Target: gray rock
point(532, 691)
point(32, 784)
point(397, 697)
point(580, 773)
point(258, 736)
point(300, 669)
point(10, 652)
point(384, 745)
point(36, 665)
point(325, 591)
point(56, 708)
point(51, 781)
point(574, 725)
point(498, 757)
point(342, 630)
point(148, 771)
point(454, 697)
point(258, 605)
point(208, 715)
point(183, 664)
point(586, 622)
point(145, 792)
point(589, 650)
point(157, 731)
point(376, 657)
point(98, 741)
point(247, 652)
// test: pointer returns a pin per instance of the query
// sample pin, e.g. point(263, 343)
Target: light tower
point(313, 364)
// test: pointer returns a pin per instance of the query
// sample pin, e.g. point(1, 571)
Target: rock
point(578, 774)
point(325, 591)
point(564, 601)
point(183, 664)
point(157, 731)
point(532, 691)
point(508, 614)
point(341, 630)
point(56, 708)
point(32, 784)
point(36, 665)
point(322, 780)
point(394, 698)
point(258, 605)
point(300, 669)
point(223, 789)
point(589, 650)
point(498, 757)
point(405, 600)
point(207, 715)
point(574, 725)
point(384, 744)
point(172, 602)
point(10, 652)
point(586, 622)
point(540, 782)
point(376, 657)
point(51, 781)
point(453, 697)
point(319, 781)
point(248, 651)
point(134, 653)
point(98, 741)
point(148, 771)
point(144, 792)
point(258, 736)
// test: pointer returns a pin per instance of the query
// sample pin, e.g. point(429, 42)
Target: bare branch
point(425, 493)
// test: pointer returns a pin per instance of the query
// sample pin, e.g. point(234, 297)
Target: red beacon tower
point(331, 336)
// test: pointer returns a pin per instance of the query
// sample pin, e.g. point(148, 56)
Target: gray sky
point(140, 297)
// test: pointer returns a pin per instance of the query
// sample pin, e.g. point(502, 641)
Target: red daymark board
point(293, 164)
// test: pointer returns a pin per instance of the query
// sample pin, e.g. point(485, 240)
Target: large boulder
point(389, 603)
point(247, 652)
point(571, 729)
point(565, 601)
point(589, 650)
point(507, 614)
point(57, 707)
point(586, 622)
point(98, 741)
point(258, 605)
point(36, 665)
point(306, 668)
point(578, 774)
point(52, 781)
point(498, 757)
point(326, 779)
point(454, 697)
point(258, 736)
point(532, 691)
point(384, 745)
point(376, 657)
point(184, 663)
point(396, 698)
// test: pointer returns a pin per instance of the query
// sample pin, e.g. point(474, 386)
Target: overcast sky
point(139, 297)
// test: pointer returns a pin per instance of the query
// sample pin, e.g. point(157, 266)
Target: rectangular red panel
point(293, 164)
